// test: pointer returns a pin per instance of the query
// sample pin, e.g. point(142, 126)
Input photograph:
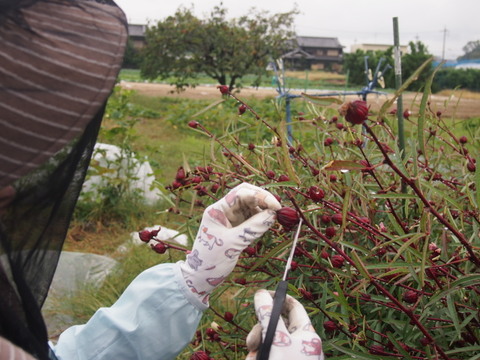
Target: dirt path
point(449, 105)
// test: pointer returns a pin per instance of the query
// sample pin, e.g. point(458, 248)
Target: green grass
point(294, 79)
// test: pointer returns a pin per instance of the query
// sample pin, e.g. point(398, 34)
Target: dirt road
point(449, 104)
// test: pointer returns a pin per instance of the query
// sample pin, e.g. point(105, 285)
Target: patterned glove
point(227, 227)
point(295, 337)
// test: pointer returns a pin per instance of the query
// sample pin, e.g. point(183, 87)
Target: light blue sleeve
point(155, 318)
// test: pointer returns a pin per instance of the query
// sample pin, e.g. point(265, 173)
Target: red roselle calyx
point(315, 193)
point(288, 217)
point(355, 112)
point(410, 297)
point(160, 248)
point(199, 355)
point(223, 89)
point(337, 261)
point(241, 109)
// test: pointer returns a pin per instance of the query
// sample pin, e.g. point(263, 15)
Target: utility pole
point(444, 40)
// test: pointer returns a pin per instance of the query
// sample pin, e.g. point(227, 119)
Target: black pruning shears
point(278, 301)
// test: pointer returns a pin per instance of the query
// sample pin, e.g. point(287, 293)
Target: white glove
point(295, 337)
point(227, 227)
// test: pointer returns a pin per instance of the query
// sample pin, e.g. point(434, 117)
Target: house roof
point(136, 30)
point(318, 42)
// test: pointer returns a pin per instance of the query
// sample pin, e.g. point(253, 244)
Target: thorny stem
point(422, 197)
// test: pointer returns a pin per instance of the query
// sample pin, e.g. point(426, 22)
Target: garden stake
point(278, 301)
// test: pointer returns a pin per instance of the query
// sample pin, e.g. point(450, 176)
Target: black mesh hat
point(59, 60)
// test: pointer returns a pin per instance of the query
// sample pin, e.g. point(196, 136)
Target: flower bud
point(193, 124)
point(329, 326)
point(283, 178)
point(463, 140)
point(160, 248)
point(199, 355)
point(223, 89)
point(337, 261)
point(315, 193)
point(330, 232)
point(410, 296)
point(355, 112)
point(145, 235)
point(337, 218)
point(228, 316)
point(241, 109)
point(287, 217)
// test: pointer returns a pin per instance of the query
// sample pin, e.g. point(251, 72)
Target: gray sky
point(351, 21)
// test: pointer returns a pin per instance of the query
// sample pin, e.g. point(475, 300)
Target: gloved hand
point(295, 337)
point(227, 227)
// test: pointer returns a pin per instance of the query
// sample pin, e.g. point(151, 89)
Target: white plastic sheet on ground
point(75, 271)
point(118, 165)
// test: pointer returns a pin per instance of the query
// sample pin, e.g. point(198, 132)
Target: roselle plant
point(388, 259)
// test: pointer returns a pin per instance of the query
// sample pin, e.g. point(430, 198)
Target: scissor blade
point(292, 250)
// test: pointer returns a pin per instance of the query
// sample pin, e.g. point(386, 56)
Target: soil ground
point(458, 104)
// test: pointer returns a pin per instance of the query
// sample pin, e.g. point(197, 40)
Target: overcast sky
point(351, 21)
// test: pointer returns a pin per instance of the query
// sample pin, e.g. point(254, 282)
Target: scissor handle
point(278, 301)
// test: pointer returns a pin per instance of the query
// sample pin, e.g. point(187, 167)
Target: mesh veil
point(35, 89)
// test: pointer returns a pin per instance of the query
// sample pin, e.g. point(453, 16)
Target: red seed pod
point(228, 316)
point(180, 176)
point(325, 219)
point(325, 255)
point(410, 296)
point(160, 248)
point(425, 341)
point(283, 178)
point(210, 332)
point(337, 261)
point(340, 126)
point(288, 217)
point(193, 124)
point(337, 218)
point(199, 355)
point(355, 112)
point(333, 178)
point(471, 166)
point(251, 147)
point(328, 141)
point(154, 233)
point(241, 109)
point(463, 140)
point(329, 326)
point(315, 193)
point(406, 114)
point(223, 89)
point(214, 188)
point(250, 251)
point(270, 174)
point(145, 235)
point(330, 232)
point(334, 119)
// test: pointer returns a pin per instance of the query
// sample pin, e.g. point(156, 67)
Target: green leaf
point(394, 196)
point(454, 315)
point(339, 165)
point(422, 110)
point(355, 354)
point(211, 106)
point(467, 280)
point(322, 100)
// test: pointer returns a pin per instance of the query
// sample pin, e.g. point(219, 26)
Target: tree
point(182, 46)
point(471, 50)
point(354, 63)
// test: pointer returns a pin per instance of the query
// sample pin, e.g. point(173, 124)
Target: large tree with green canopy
point(183, 46)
